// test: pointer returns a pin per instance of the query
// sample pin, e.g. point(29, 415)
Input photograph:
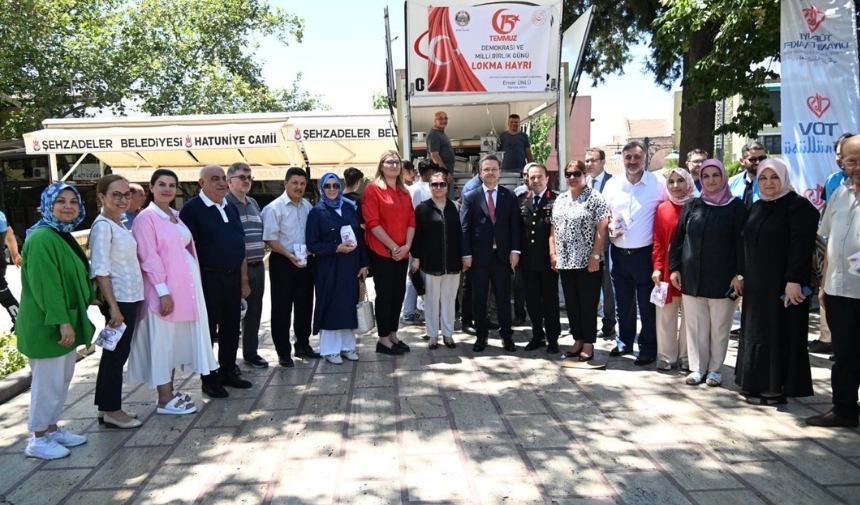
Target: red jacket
point(665, 222)
point(390, 208)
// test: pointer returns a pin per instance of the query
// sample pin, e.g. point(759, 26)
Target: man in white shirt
point(595, 160)
point(633, 200)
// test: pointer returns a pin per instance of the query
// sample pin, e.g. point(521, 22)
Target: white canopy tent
point(268, 142)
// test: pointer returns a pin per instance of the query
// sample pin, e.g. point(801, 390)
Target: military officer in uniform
point(541, 281)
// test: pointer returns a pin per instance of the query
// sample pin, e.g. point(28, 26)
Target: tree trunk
point(697, 122)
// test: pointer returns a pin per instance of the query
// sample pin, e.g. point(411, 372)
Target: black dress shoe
point(402, 346)
point(480, 344)
point(257, 362)
point(535, 344)
point(236, 369)
point(306, 352)
point(552, 348)
point(817, 346)
point(509, 345)
point(286, 362)
point(433, 346)
point(392, 351)
point(616, 352)
point(449, 342)
point(832, 420)
point(606, 333)
point(492, 326)
point(644, 360)
point(519, 321)
point(234, 381)
point(212, 389)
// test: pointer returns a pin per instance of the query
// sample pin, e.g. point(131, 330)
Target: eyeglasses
point(850, 164)
point(331, 186)
point(758, 159)
point(441, 118)
point(116, 195)
point(392, 163)
point(438, 184)
point(570, 175)
point(243, 178)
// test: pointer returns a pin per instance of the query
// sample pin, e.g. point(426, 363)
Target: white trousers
point(823, 329)
point(671, 337)
point(334, 341)
point(440, 291)
point(709, 321)
point(49, 389)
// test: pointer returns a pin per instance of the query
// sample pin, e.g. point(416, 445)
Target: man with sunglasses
point(633, 201)
point(744, 185)
point(239, 181)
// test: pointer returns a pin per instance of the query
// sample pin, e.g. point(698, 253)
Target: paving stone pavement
point(444, 426)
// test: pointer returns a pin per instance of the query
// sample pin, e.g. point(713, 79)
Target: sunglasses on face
point(438, 184)
point(569, 175)
point(758, 159)
point(331, 186)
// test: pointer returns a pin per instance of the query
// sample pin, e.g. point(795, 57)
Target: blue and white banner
point(820, 88)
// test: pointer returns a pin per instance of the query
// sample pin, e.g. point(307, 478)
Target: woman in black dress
point(779, 239)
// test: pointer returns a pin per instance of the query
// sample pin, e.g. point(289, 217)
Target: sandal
point(177, 406)
point(766, 401)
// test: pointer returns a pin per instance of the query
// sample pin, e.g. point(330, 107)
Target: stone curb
point(16, 383)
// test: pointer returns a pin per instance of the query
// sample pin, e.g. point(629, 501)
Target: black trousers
point(109, 379)
point(7, 299)
point(223, 293)
point(466, 316)
point(581, 296)
point(541, 291)
point(291, 287)
point(520, 296)
point(251, 322)
point(498, 272)
point(843, 317)
point(389, 279)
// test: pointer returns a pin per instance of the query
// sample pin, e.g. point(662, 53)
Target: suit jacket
point(606, 177)
point(536, 224)
point(479, 232)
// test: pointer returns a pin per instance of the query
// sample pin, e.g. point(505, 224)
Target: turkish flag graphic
point(447, 69)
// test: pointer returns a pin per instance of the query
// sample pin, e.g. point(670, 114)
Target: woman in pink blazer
point(173, 330)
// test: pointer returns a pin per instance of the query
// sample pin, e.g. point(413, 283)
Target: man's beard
point(634, 171)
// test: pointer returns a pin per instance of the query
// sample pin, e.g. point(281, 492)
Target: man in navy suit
point(490, 222)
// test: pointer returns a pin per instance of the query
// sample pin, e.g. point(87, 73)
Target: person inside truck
point(515, 144)
point(438, 143)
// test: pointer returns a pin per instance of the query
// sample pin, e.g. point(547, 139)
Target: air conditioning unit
point(40, 173)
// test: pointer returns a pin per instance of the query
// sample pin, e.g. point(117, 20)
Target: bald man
point(220, 241)
point(438, 143)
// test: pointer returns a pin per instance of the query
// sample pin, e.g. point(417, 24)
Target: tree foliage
point(72, 57)
point(539, 137)
point(380, 101)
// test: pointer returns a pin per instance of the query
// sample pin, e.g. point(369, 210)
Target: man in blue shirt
point(515, 144)
point(744, 185)
point(134, 205)
point(7, 299)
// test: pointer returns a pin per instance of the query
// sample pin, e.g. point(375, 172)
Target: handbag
point(417, 281)
point(364, 310)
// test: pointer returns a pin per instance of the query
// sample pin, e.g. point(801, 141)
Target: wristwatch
point(740, 277)
point(595, 256)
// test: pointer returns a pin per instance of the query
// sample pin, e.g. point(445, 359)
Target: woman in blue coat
point(340, 261)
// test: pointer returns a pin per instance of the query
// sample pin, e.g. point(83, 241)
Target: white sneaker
point(67, 439)
point(45, 448)
point(663, 365)
point(714, 379)
point(350, 355)
point(694, 378)
point(334, 359)
point(685, 365)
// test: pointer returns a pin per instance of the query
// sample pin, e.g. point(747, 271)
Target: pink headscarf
point(723, 195)
point(781, 170)
point(691, 186)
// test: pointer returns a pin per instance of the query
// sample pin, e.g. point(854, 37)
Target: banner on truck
point(504, 47)
point(820, 91)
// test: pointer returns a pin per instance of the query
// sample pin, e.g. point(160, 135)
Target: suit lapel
point(484, 203)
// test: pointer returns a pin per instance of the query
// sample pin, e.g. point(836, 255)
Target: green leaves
point(539, 137)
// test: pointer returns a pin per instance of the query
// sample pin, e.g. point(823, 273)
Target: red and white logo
point(818, 104)
point(814, 17)
point(37, 146)
point(504, 23)
point(297, 134)
point(188, 142)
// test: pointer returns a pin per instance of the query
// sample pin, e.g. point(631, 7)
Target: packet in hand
point(617, 227)
point(301, 252)
point(347, 234)
point(854, 264)
point(109, 337)
point(659, 294)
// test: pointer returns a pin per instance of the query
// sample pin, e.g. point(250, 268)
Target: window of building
point(772, 143)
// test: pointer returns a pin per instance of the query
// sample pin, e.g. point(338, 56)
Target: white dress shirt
point(285, 222)
point(636, 204)
point(841, 226)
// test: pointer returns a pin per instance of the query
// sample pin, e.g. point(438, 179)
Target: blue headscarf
point(337, 202)
point(47, 208)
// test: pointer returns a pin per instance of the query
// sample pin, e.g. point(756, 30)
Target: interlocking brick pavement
point(444, 426)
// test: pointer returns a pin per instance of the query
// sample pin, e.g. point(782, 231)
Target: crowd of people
point(678, 251)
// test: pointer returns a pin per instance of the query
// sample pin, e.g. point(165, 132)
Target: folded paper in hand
point(659, 294)
point(301, 252)
point(348, 235)
point(109, 337)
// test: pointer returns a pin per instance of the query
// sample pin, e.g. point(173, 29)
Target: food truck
point(480, 63)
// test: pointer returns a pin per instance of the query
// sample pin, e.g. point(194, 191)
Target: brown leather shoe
point(831, 420)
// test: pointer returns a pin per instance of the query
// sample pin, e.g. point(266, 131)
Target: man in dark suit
point(595, 159)
point(490, 222)
point(541, 281)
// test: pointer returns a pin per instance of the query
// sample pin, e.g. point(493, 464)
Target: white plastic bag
point(659, 294)
point(364, 311)
point(109, 337)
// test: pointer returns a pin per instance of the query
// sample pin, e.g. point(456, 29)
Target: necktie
point(591, 183)
point(748, 194)
point(537, 202)
point(491, 205)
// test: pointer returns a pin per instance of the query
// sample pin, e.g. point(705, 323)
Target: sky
point(342, 58)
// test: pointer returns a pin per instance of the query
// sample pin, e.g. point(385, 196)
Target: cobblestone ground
point(445, 426)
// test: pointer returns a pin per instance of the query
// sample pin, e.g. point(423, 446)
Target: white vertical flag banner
point(820, 88)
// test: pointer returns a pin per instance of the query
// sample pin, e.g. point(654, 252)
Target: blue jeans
point(631, 281)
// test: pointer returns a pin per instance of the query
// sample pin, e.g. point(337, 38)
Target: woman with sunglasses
point(436, 251)
point(339, 264)
point(113, 255)
point(579, 222)
point(390, 226)
point(52, 320)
